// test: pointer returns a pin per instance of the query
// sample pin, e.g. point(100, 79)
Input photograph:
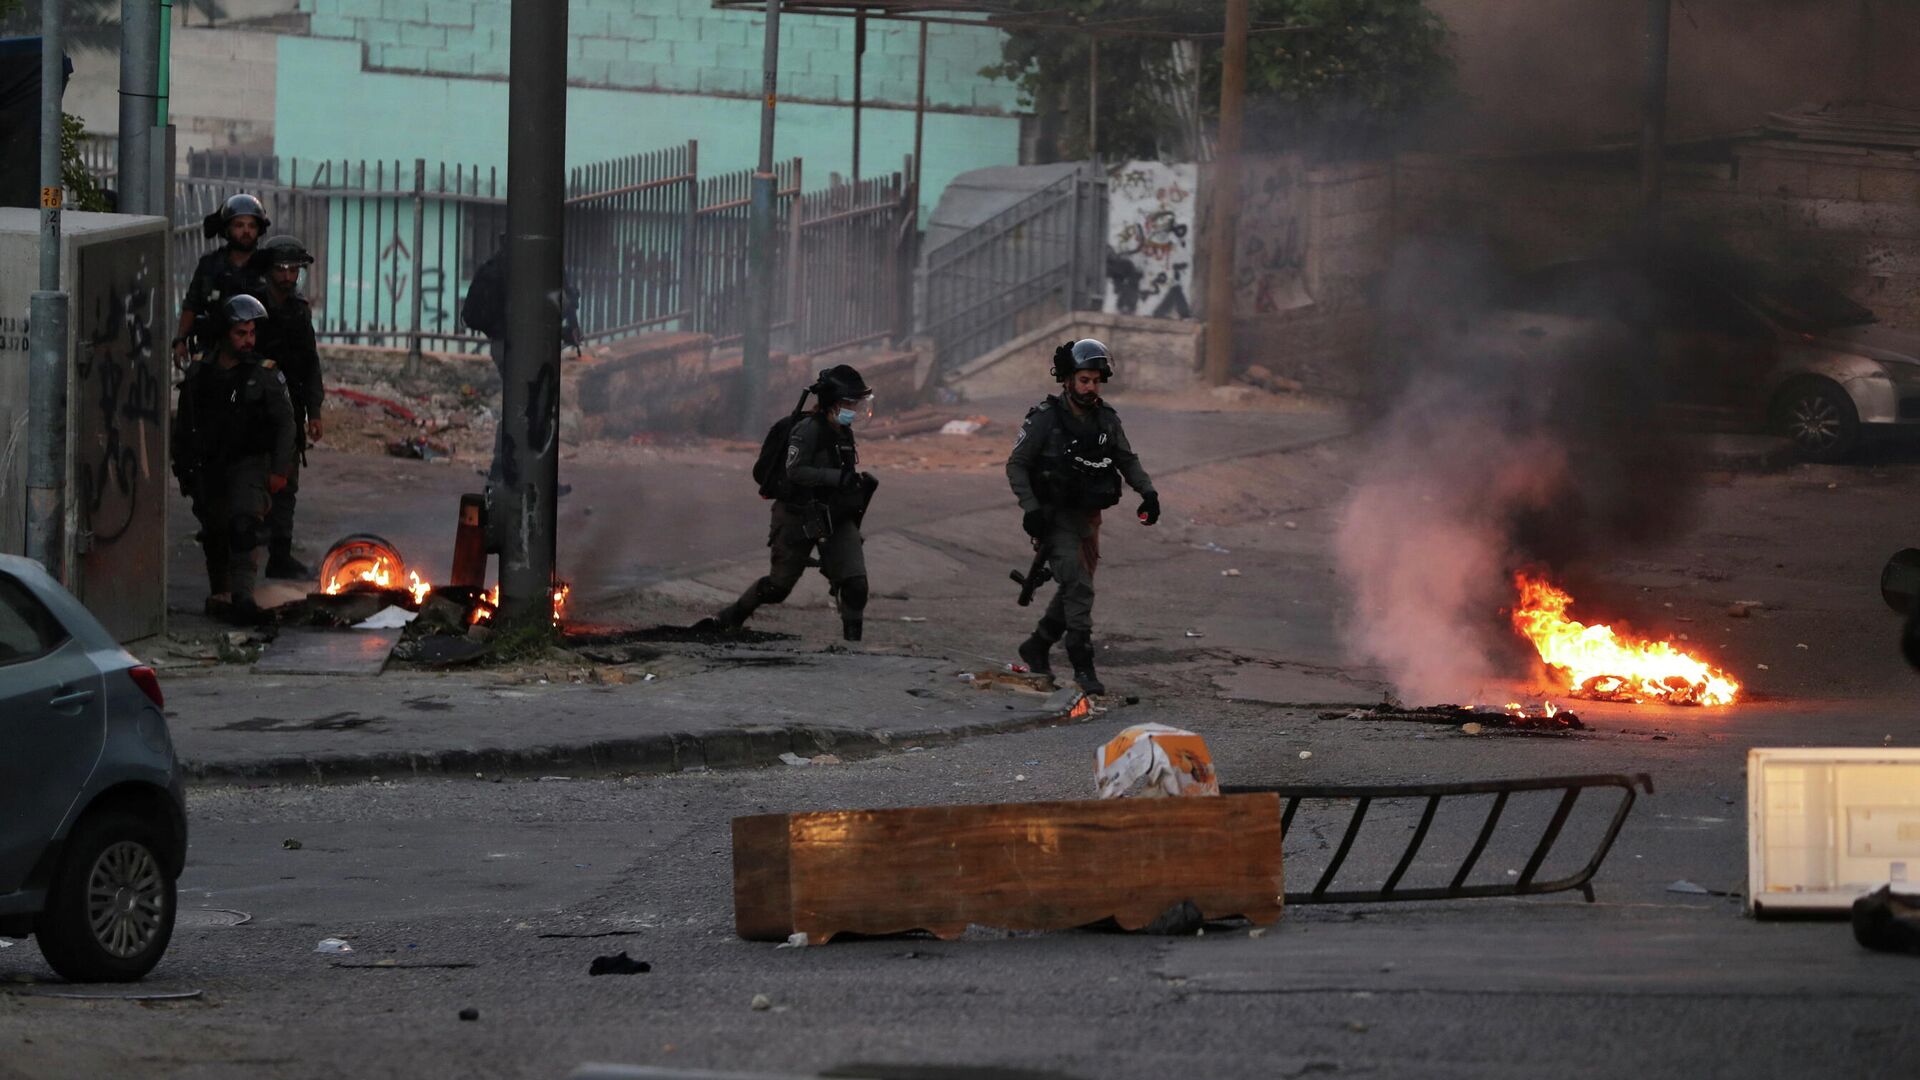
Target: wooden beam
point(1020, 866)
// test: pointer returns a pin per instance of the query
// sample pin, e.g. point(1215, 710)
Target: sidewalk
point(723, 708)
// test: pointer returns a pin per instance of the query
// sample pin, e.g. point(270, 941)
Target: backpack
point(485, 308)
point(770, 468)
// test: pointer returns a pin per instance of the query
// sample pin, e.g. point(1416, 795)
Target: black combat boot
point(283, 566)
point(1034, 651)
point(850, 628)
point(1080, 653)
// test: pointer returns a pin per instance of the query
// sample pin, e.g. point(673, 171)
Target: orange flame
point(1599, 664)
point(489, 602)
point(379, 572)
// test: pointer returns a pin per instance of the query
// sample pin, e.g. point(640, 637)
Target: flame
point(379, 572)
point(1597, 663)
point(418, 588)
point(489, 602)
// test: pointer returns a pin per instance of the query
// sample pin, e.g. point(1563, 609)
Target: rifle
point(1037, 575)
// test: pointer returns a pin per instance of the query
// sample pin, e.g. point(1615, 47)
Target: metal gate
point(1018, 270)
point(650, 245)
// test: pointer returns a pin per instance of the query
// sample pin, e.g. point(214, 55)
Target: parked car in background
point(1745, 346)
point(93, 826)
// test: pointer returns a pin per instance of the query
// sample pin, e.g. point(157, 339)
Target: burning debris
point(1601, 665)
point(364, 564)
point(1513, 717)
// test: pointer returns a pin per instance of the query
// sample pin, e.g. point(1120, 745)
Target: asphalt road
point(1645, 982)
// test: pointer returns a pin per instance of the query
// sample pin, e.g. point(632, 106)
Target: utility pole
point(757, 344)
point(47, 324)
point(524, 497)
point(1226, 196)
point(1653, 109)
point(139, 81)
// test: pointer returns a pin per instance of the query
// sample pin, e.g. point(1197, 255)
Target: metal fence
point(649, 245)
point(1018, 270)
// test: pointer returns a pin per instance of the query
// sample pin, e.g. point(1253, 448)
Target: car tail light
point(149, 683)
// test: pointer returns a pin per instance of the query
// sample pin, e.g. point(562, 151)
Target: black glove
point(1149, 508)
point(849, 480)
point(1036, 522)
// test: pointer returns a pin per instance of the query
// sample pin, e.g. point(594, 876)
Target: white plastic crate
point(1828, 825)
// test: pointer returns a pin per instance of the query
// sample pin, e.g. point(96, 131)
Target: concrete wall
point(1848, 214)
point(1567, 73)
point(645, 75)
point(1149, 354)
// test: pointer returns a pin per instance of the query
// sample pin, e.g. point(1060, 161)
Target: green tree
point(1333, 77)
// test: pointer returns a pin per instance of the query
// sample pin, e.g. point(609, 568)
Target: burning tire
point(1820, 419)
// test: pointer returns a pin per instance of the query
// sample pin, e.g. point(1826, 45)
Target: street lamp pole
point(1226, 196)
point(47, 323)
point(757, 343)
point(525, 494)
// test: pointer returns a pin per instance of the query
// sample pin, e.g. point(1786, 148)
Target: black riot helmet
point(242, 308)
point(840, 383)
point(1083, 355)
point(284, 250)
point(241, 205)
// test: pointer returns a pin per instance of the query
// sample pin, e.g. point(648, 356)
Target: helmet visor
point(862, 406)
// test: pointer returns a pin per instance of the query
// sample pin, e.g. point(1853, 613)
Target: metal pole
point(859, 65)
point(530, 391)
point(139, 78)
point(163, 138)
point(754, 346)
point(411, 367)
point(1093, 97)
point(1226, 196)
point(920, 115)
point(47, 323)
point(1653, 131)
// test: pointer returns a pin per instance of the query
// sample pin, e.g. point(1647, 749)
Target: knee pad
point(772, 592)
point(853, 595)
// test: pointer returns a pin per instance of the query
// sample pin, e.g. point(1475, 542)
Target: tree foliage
point(1334, 77)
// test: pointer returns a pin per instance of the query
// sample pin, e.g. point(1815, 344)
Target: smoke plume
point(1499, 440)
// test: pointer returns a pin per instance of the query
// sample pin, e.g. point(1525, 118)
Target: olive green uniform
point(822, 508)
point(1070, 465)
point(232, 429)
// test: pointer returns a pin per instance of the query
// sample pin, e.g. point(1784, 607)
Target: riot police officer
point(286, 338)
point(232, 451)
point(223, 273)
point(819, 502)
point(1066, 467)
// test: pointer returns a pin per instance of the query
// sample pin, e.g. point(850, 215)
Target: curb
point(725, 748)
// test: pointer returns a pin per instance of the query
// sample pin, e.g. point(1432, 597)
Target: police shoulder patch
point(268, 364)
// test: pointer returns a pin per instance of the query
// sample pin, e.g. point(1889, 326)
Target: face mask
point(845, 416)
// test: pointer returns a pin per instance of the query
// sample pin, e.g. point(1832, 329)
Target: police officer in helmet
point(820, 504)
point(223, 273)
point(1067, 465)
point(232, 449)
point(286, 337)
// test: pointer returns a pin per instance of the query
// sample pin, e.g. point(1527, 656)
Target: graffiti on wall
point(1269, 254)
point(122, 393)
point(1150, 208)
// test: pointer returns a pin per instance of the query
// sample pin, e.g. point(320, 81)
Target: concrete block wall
point(687, 46)
point(223, 88)
point(1850, 215)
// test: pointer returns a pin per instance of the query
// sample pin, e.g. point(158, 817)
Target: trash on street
point(1154, 760)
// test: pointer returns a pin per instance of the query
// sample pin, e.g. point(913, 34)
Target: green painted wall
point(405, 79)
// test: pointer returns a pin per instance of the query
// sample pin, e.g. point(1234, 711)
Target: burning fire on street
point(365, 563)
point(1599, 664)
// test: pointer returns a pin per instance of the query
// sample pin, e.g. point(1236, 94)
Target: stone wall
point(1148, 354)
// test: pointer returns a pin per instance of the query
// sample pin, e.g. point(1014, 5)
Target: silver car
point(93, 827)
point(1745, 346)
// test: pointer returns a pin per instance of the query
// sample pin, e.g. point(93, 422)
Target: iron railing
point(1459, 883)
point(1018, 270)
point(650, 245)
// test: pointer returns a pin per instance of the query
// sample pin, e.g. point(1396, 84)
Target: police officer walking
point(818, 502)
point(286, 338)
point(223, 273)
point(1066, 467)
point(232, 450)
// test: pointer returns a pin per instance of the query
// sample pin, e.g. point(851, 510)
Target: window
point(27, 628)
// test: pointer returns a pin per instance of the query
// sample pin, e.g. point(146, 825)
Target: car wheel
point(110, 911)
point(1820, 419)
